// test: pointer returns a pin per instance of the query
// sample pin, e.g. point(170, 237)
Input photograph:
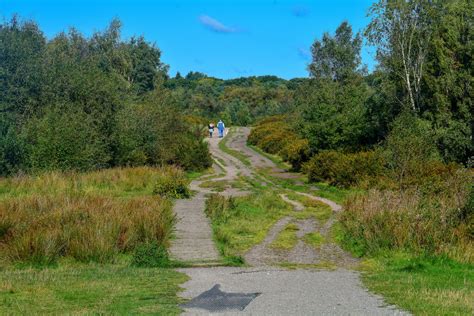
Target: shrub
point(172, 184)
point(276, 135)
point(150, 255)
point(192, 152)
point(296, 153)
point(152, 133)
point(65, 140)
point(343, 169)
point(408, 148)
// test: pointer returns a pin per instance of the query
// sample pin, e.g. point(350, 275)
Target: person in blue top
point(221, 128)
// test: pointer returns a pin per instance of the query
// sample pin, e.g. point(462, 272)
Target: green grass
point(287, 238)
point(314, 208)
point(422, 286)
point(314, 239)
point(246, 222)
point(90, 289)
point(193, 175)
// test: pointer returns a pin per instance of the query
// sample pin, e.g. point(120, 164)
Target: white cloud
point(215, 26)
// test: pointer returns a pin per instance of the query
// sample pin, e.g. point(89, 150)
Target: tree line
point(424, 54)
point(77, 103)
point(73, 102)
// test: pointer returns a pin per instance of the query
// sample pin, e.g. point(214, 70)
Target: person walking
point(221, 128)
point(211, 129)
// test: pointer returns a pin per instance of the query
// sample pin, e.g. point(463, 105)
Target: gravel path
point(264, 289)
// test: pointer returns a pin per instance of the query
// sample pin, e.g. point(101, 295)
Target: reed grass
point(89, 217)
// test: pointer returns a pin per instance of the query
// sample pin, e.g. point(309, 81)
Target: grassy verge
point(90, 289)
point(422, 286)
point(90, 217)
point(79, 243)
point(313, 208)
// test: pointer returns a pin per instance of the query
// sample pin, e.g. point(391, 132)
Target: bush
point(276, 136)
point(150, 255)
point(192, 152)
point(151, 133)
point(173, 183)
point(409, 147)
point(345, 170)
point(296, 153)
point(65, 140)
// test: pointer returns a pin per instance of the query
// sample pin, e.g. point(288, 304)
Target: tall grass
point(432, 220)
point(88, 217)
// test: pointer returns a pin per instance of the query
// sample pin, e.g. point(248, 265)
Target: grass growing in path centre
point(287, 238)
point(314, 239)
point(240, 223)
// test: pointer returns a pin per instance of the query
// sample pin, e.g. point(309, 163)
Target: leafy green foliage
point(237, 101)
point(431, 74)
point(409, 147)
point(77, 103)
point(336, 58)
point(64, 140)
point(345, 170)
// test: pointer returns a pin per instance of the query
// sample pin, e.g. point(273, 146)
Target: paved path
point(288, 292)
point(193, 242)
point(270, 290)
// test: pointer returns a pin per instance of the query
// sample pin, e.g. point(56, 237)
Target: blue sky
point(225, 39)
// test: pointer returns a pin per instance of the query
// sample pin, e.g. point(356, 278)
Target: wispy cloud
point(300, 11)
point(304, 53)
point(216, 26)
